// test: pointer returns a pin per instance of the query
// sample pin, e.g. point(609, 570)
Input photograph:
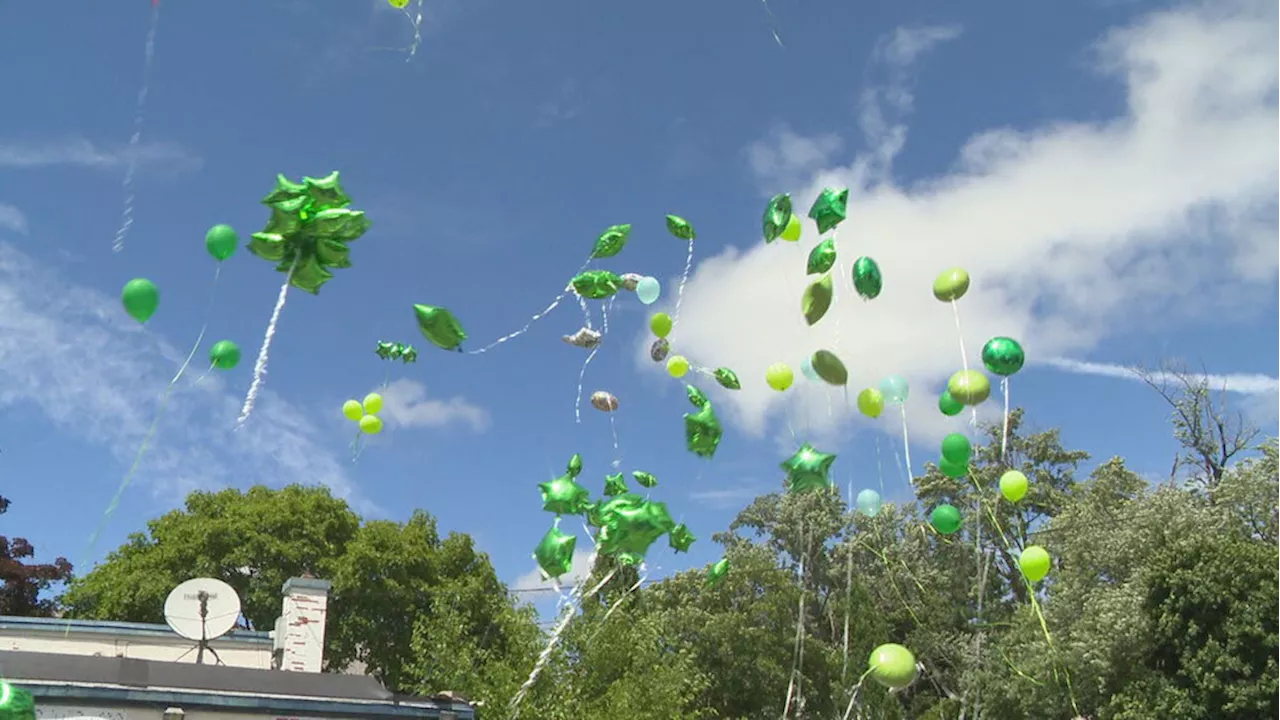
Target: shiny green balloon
point(948, 405)
point(808, 469)
point(1035, 563)
point(1003, 356)
point(440, 326)
point(16, 703)
point(952, 469)
point(1013, 485)
point(564, 496)
point(951, 285)
point(822, 257)
point(969, 387)
point(957, 448)
point(221, 241)
point(680, 228)
point(574, 468)
point(681, 538)
point(817, 300)
point(630, 525)
point(224, 355)
point(644, 479)
point(727, 378)
point(611, 241)
point(702, 431)
point(867, 279)
point(596, 284)
point(554, 552)
point(945, 519)
point(830, 209)
point(615, 484)
point(141, 298)
point(777, 214)
point(697, 398)
point(829, 367)
point(717, 571)
point(893, 666)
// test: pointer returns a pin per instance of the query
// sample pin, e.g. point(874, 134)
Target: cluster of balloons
point(365, 414)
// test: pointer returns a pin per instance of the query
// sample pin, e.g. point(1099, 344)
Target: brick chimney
point(299, 634)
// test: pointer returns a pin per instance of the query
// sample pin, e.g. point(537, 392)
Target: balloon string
point(981, 555)
point(586, 312)
point(582, 374)
point(613, 430)
point(644, 575)
point(964, 357)
point(1004, 433)
point(538, 316)
point(773, 23)
point(135, 140)
point(848, 588)
point(853, 695)
point(797, 656)
point(357, 447)
point(906, 444)
point(879, 467)
point(416, 22)
point(260, 365)
point(684, 279)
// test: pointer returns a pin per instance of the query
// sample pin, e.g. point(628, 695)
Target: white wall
point(234, 653)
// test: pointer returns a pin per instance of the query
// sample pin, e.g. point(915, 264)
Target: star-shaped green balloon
point(564, 496)
point(830, 209)
point(727, 378)
point(408, 354)
point(554, 552)
point(696, 397)
point(717, 571)
point(596, 284)
point(611, 241)
point(384, 349)
point(644, 479)
point(808, 469)
point(592, 513)
point(681, 538)
point(574, 468)
point(702, 431)
point(309, 229)
point(630, 525)
point(776, 216)
point(614, 484)
point(680, 228)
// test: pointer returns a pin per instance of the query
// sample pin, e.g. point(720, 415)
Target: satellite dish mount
point(202, 610)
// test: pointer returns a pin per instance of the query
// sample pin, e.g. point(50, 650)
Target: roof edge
point(117, 626)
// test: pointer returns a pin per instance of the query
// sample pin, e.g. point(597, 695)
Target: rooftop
point(114, 627)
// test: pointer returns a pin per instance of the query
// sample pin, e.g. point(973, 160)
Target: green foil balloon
point(717, 571)
point(697, 398)
point(615, 484)
point(808, 469)
point(822, 257)
point(830, 209)
point(969, 387)
point(777, 214)
point(817, 300)
point(554, 552)
point(16, 703)
point(829, 368)
point(727, 378)
point(945, 519)
point(574, 468)
point(564, 496)
point(644, 479)
point(681, 538)
point(439, 326)
point(680, 228)
point(948, 405)
point(957, 448)
point(630, 525)
point(224, 355)
point(1003, 356)
point(221, 241)
point(596, 284)
point(1035, 563)
point(309, 230)
point(866, 278)
point(611, 241)
point(702, 431)
point(141, 298)
point(951, 285)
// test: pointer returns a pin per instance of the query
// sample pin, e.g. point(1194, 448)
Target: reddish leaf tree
point(24, 582)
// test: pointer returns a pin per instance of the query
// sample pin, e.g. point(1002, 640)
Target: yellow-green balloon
point(372, 403)
point(969, 387)
point(398, 4)
point(352, 410)
point(792, 232)
point(893, 666)
point(1013, 485)
point(1034, 563)
point(371, 424)
point(951, 284)
point(677, 366)
point(660, 324)
point(871, 402)
point(779, 376)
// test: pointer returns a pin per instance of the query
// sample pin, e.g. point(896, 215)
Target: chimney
point(299, 635)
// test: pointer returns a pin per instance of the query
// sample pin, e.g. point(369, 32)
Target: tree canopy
point(26, 584)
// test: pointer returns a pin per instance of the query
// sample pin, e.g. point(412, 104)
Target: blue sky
point(1110, 186)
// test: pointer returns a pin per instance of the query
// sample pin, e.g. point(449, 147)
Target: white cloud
point(11, 218)
point(72, 355)
point(1244, 384)
point(728, 497)
point(405, 404)
point(532, 580)
point(1071, 231)
point(82, 153)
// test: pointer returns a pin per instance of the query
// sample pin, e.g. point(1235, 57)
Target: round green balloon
point(352, 410)
point(945, 519)
point(141, 297)
point(221, 242)
point(1013, 485)
point(1034, 563)
point(953, 470)
point(951, 285)
point(956, 448)
point(371, 424)
point(871, 402)
point(893, 666)
point(969, 387)
point(224, 355)
point(1003, 356)
point(661, 324)
point(948, 405)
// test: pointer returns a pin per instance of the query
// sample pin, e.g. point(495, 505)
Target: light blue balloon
point(894, 389)
point(648, 290)
point(869, 503)
point(806, 369)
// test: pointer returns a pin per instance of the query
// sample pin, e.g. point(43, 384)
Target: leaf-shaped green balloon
point(828, 367)
point(596, 284)
point(645, 479)
point(727, 378)
point(823, 257)
point(696, 396)
point(680, 228)
point(574, 468)
point(866, 277)
point(776, 216)
point(440, 326)
point(817, 299)
point(611, 241)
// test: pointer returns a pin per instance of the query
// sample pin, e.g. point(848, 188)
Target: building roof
point(81, 679)
point(113, 627)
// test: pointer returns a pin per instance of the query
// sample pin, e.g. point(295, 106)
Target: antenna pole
point(204, 616)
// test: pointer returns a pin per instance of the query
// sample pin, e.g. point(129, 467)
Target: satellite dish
point(202, 609)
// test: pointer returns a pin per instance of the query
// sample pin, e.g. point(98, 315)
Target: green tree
point(21, 582)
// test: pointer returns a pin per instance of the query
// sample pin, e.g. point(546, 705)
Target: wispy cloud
point(727, 497)
point(405, 404)
point(70, 354)
point(11, 218)
point(1244, 384)
point(79, 152)
point(533, 580)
